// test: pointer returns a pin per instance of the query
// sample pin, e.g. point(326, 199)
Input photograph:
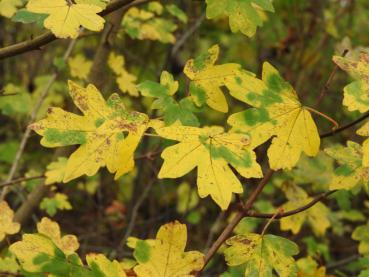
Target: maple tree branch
point(19, 180)
point(48, 37)
point(241, 214)
point(325, 88)
point(316, 199)
point(344, 127)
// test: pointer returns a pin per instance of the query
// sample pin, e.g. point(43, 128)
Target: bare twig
point(325, 88)
point(134, 212)
point(317, 199)
point(344, 127)
point(182, 40)
point(19, 180)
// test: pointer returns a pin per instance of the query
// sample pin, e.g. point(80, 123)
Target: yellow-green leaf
point(165, 256)
point(356, 94)
point(65, 19)
point(351, 172)
point(262, 255)
point(59, 201)
point(7, 226)
point(208, 78)
point(211, 150)
point(108, 134)
point(361, 234)
point(277, 113)
point(243, 14)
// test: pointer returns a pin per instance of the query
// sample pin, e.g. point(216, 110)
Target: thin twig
point(134, 213)
point(342, 262)
point(344, 127)
point(325, 88)
point(19, 180)
point(292, 212)
point(182, 40)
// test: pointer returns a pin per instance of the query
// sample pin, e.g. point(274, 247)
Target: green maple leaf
point(173, 110)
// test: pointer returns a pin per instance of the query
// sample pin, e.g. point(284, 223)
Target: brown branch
point(46, 38)
point(344, 127)
point(325, 88)
point(229, 229)
point(19, 180)
point(317, 199)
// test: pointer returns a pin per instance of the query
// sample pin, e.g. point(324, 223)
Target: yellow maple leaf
point(316, 216)
point(104, 266)
point(9, 7)
point(79, 67)
point(207, 79)
point(107, 132)
point(7, 226)
point(125, 80)
point(66, 17)
point(55, 171)
point(210, 149)
point(67, 243)
point(277, 113)
point(165, 256)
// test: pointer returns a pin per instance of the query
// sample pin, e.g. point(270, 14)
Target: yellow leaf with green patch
point(107, 132)
point(208, 78)
point(79, 67)
point(262, 255)
point(102, 266)
point(244, 15)
point(316, 216)
point(351, 172)
point(9, 7)
point(66, 18)
point(211, 150)
point(55, 171)
point(356, 94)
point(165, 256)
point(278, 113)
point(125, 80)
point(37, 253)
point(7, 226)
point(48, 252)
